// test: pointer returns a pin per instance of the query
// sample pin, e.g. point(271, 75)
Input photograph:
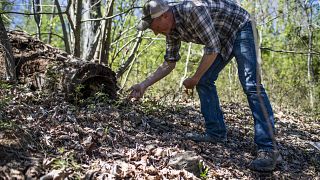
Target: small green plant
point(7, 124)
point(78, 94)
point(5, 98)
point(51, 78)
point(67, 162)
point(60, 164)
point(91, 107)
point(106, 130)
point(101, 97)
point(61, 150)
point(203, 170)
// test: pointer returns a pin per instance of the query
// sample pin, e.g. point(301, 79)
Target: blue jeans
point(245, 54)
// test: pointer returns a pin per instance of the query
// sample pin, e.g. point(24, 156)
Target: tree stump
point(43, 67)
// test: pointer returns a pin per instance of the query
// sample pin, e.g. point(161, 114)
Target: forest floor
point(44, 136)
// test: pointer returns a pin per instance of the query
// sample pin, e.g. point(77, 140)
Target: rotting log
point(43, 67)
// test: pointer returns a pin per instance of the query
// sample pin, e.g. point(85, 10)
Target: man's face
point(161, 24)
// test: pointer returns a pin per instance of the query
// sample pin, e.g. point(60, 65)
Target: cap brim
point(143, 25)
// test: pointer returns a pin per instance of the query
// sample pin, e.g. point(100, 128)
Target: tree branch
point(287, 51)
point(110, 17)
point(31, 14)
point(124, 66)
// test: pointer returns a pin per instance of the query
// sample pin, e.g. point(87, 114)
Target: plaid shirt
point(213, 23)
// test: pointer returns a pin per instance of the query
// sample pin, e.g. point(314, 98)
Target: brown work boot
point(266, 161)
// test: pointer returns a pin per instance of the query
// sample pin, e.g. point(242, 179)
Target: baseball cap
point(151, 10)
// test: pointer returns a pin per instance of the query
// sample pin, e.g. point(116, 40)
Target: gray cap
point(152, 9)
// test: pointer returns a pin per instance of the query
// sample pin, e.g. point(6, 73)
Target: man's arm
point(138, 90)
point(160, 73)
point(206, 62)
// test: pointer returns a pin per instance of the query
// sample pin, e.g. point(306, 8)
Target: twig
point(287, 51)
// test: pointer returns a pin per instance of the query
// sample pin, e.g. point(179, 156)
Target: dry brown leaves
point(44, 136)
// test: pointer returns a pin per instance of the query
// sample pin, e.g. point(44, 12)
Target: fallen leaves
point(141, 141)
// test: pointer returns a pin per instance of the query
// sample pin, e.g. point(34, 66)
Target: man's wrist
point(196, 78)
point(144, 85)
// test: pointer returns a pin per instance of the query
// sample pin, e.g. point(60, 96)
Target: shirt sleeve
point(202, 23)
point(172, 49)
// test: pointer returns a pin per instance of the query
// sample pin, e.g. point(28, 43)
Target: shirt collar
point(177, 19)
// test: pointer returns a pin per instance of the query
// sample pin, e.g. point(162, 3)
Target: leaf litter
point(43, 136)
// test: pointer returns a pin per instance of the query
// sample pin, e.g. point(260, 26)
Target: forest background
point(104, 31)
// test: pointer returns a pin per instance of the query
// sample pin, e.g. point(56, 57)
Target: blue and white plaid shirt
point(213, 23)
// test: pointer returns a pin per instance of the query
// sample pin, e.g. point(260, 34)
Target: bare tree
point(6, 50)
point(51, 24)
point(124, 67)
point(106, 34)
point(309, 12)
point(37, 17)
point(92, 10)
point(63, 25)
point(77, 32)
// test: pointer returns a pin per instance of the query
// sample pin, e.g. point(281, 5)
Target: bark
point(77, 32)
point(108, 39)
point(105, 38)
point(93, 46)
point(43, 67)
point(64, 29)
point(6, 55)
point(92, 9)
point(37, 17)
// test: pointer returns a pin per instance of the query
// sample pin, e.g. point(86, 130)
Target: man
point(225, 30)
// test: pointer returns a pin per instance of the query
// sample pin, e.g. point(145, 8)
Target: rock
point(56, 174)
point(15, 174)
point(151, 170)
point(186, 160)
point(33, 172)
point(158, 151)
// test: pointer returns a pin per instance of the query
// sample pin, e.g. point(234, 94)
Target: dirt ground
point(41, 135)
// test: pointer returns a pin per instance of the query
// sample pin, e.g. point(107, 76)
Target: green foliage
point(79, 95)
point(66, 162)
point(203, 170)
point(7, 125)
point(283, 25)
point(5, 98)
point(51, 77)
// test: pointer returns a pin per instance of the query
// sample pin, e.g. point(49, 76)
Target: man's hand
point(189, 83)
point(137, 91)
point(206, 62)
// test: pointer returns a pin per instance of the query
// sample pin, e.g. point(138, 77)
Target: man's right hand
point(137, 91)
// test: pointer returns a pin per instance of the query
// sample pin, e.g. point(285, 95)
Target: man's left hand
point(189, 83)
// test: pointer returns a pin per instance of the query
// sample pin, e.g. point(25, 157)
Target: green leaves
point(203, 170)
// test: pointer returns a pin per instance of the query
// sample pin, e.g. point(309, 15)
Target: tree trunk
point(64, 29)
point(310, 64)
point(51, 24)
point(77, 32)
point(43, 67)
point(105, 38)
point(6, 55)
point(92, 10)
point(37, 17)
